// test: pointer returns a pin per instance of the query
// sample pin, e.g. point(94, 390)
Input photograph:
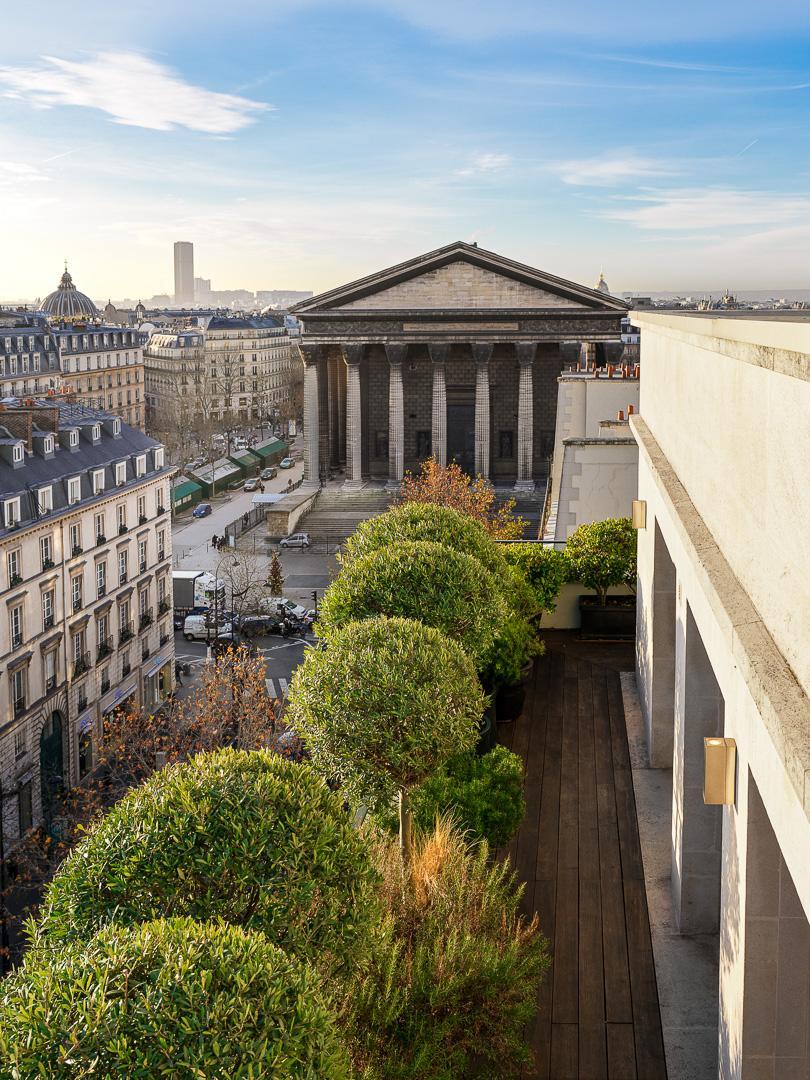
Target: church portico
point(426, 359)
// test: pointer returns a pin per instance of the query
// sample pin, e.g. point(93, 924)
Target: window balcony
point(126, 667)
point(50, 684)
point(81, 703)
point(16, 640)
point(142, 567)
point(101, 539)
point(164, 605)
point(105, 684)
point(77, 603)
point(145, 651)
point(105, 648)
point(14, 580)
point(81, 664)
point(47, 622)
point(126, 632)
point(19, 706)
point(164, 638)
point(76, 550)
point(101, 590)
point(142, 519)
point(48, 564)
point(160, 510)
point(122, 528)
point(146, 619)
point(122, 577)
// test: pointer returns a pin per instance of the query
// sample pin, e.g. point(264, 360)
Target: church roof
point(602, 285)
point(68, 303)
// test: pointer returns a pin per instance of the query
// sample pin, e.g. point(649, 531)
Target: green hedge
point(545, 570)
point(172, 999)
point(246, 836)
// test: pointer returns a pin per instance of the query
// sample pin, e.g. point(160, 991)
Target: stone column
point(311, 355)
point(525, 352)
point(482, 353)
point(438, 436)
point(353, 354)
point(396, 415)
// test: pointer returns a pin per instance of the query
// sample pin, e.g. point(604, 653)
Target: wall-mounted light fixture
point(719, 771)
point(639, 514)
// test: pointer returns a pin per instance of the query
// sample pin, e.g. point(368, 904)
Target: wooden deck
point(578, 852)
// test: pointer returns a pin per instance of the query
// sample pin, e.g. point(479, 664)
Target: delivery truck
point(195, 592)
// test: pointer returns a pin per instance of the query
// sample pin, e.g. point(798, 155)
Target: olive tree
point(168, 998)
point(442, 588)
point(383, 706)
point(602, 554)
point(241, 835)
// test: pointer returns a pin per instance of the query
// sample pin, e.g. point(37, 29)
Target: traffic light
point(315, 595)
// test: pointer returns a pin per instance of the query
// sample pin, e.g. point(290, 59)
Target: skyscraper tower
point(183, 273)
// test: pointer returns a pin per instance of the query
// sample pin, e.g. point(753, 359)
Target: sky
point(302, 144)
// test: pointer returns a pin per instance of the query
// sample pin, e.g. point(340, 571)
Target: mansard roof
point(493, 282)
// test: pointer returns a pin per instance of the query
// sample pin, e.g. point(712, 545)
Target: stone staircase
point(335, 514)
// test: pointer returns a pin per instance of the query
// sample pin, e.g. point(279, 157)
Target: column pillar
point(353, 354)
point(525, 352)
point(311, 355)
point(438, 434)
point(396, 415)
point(482, 353)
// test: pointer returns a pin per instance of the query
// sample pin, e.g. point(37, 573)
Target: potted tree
point(602, 555)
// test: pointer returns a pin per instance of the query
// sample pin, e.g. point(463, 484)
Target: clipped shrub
point(453, 979)
point(602, 554)
point(384, 705)
point(243, 835)
point(442, 588)
point(169, 998)
point(514, 646)
point(545, 570)
point(482, 795)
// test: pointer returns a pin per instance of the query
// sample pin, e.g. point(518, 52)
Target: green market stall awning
point(271, 451)
point(186, 493)
point(222, 473)
point(247, 460)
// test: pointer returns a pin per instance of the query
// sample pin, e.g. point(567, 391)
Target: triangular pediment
point(461, 277)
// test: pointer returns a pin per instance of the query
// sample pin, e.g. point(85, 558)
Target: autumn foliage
point(447, 485)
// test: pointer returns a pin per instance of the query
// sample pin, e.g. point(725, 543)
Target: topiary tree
point(602, 554)
point(169, 998)
point(383, 706)
point(543, 569)
point(246, 836)
point(440, 587)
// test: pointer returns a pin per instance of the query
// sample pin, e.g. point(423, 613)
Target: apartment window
point(101, 578)
point(25, 808)
point(74, 490)
point(47, 609)
point(45, 499)
point(96, 432)
point(116, 425)
point(121, 517)
point(85, 754)
point(506, 444)
point(20, 743)
point(78, 647)
point(142, 556)
point(48, 445)
point(17, 453)
point(98, 481)
point(11, 512)
point(50, 671)
point(140, 465)
point(122, 566)
point(159, 453)
point(73, 438)
point(76, 591)
point(14, 567)
point(102, 628)
point(141, 509)
point(18, 687)
point(99, 526)
point(46, 552)
point(15, 617)
point(161, 545)
point(120, 471)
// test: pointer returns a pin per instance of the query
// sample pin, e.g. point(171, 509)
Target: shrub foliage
point(448, 485)
point(170, 998)
point(544, 569)
point(442, 588)
point(246, 836)
point(602, 554)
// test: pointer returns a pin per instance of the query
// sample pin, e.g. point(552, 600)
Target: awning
point(268, 498)
point(118, 695)
point(156, 666)
point(270, 448)
point(85, 723)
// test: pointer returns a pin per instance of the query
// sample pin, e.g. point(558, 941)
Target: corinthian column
point(526, 352)
point(482, 353)
point(353, 354)
point(311, 354)
point(438, 436)
point(396, 415)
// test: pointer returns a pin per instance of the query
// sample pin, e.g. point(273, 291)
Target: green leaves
point(167, 999)
point(384, 705)
point(603, 554)
point(245, 836)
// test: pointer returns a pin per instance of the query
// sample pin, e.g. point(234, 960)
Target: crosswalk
point(271, 688)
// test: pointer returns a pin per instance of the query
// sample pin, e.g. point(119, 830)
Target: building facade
point(454, 354)
point(102, 368)
point(237, 368)
point(723, 653)
point(183, 273)
point(85, 576)
point(29, 356)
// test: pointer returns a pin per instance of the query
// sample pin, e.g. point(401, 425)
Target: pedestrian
point(245, 518)
point(214, 541)
point(261, 488)
point(178, 667)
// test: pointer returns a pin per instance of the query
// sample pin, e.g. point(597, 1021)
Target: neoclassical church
point(455, 353)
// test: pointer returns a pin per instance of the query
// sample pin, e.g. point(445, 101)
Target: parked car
point(280, 605)
point(251, 485)
point(268, 474)
point(256, 625)
point(201, 510)
point(180, 615)
point(235, 485)
point(286, 463)
point(295, 540)
point(199, 628)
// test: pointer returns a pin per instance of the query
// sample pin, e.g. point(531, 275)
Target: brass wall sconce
point(639, 514)
point(719, 771)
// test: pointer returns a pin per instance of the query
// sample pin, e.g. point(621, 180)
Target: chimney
point(18, 424)
point(630, 410)
point(621, 415)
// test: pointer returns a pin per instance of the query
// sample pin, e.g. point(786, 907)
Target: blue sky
point(300, 144)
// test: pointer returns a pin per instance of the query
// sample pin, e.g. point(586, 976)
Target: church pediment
point(461, 277)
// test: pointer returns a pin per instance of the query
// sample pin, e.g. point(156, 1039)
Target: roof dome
point(602, 285)
point(68, 303)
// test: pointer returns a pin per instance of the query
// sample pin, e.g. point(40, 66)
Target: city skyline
point(661, 149)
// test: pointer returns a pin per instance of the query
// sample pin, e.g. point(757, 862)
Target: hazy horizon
point(307, 144)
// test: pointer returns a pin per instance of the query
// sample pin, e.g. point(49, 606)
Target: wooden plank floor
point(578, 852)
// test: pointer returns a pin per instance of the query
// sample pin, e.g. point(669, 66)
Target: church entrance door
point(461, 427)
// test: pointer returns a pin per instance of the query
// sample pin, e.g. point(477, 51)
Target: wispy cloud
point(485, 163)
point(133, 90)
point(708, 208)
point(19, 173)
point(609, 171)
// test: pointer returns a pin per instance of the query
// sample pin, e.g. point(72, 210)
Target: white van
point(197, 628)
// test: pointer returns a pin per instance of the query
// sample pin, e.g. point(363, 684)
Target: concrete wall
point(724, 435)
point(598, 480)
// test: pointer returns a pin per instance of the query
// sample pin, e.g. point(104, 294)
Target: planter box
point(486, 730)
point(614, 621)
point(509, 702)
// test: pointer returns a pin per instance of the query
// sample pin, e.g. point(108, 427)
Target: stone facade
point(455, 354)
